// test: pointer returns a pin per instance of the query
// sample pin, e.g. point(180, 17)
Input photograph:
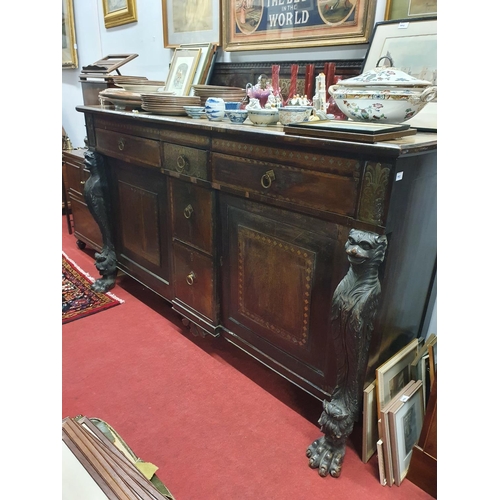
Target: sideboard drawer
point(194, 281)
point(129, 148)
point(192, 214)
point(307, 188)
point(186, 160)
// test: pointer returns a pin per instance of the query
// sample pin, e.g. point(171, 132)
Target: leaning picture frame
point(182, 70)
point(69, 54)
point(205, 63)
point(370, 431)
point(411, 44)
point(119, 12)
point(189, 21)
point(402, 9)
point(394, 374)
point(264, 24)
point(405, 426)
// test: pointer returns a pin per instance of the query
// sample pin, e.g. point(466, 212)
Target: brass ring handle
point(121, 144)
point(182, 163)
point(190, 278)
point(188, 211)
point(267, 179)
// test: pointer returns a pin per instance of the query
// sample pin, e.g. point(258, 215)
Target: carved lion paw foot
point(103, 285)
point(326, 456)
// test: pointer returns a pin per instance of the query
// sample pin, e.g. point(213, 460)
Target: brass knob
point(182, 164)
point(188, 211)
point(267, 179)
point(82, 182)
point(190, 278)
point(121, 144)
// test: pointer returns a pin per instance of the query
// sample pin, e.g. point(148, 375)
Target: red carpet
point(217, 424)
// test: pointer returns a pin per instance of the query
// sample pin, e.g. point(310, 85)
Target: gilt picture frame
point(190, 21)
point(182, 70)
point(283, 24)
point(370, 431)
point(119, 12)
point(69, 53)
point(402, 9)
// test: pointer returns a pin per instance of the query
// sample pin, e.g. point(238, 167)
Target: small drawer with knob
point(194, 280)
point(192, 214)
point(138, 150)
point(186, 160)
point(297, 186)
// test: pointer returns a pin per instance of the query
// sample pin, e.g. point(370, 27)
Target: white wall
point(145, 37)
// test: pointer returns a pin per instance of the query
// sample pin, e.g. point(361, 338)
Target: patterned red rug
point(78, 299)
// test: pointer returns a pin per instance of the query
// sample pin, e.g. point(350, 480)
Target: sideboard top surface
point(421, 142)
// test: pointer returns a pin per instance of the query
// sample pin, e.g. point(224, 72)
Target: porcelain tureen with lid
point(384, 95)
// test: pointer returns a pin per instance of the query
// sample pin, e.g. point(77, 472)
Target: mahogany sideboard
point(244, 230)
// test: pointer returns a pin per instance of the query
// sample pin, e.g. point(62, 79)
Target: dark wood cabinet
point(244, 230)
point(140, 209)
point(85, 228)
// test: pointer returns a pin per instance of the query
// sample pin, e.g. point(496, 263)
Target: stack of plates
point(144, 86)
point(121, 99)
point(229, 94)
point(161, 103)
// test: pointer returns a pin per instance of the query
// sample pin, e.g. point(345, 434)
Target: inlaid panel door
point(279, 276)
point(142, 223)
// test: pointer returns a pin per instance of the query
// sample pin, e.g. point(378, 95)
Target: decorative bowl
point(294, 114)
point(263, 116)
point(232, 105)
point(237, 115)
point(383, 95)
point(195, 111)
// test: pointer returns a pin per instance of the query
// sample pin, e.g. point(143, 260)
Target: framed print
point(190, 21)
point(204, 67)
point(412, 46)
point(432, 350)
point(405, 425)
point(394, 374)
point(402, 9)
point(370, 432)
point(281, 24)
point(69, 56)
point(118, 12)
point(385, 434)
point(182, 70)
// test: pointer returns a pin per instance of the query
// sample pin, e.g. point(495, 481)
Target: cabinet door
point(142, 224)
point(279, 272)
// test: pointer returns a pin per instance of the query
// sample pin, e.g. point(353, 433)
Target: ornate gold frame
point(262, 24)
point(119, 16)
point(69, 55)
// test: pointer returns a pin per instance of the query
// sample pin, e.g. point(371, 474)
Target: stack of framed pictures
point(191, 64)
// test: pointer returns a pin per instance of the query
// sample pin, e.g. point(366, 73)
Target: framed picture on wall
point(69, 55)
point(265, 24)
point(190, 21)
point(401, 9)
point(119, 12)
